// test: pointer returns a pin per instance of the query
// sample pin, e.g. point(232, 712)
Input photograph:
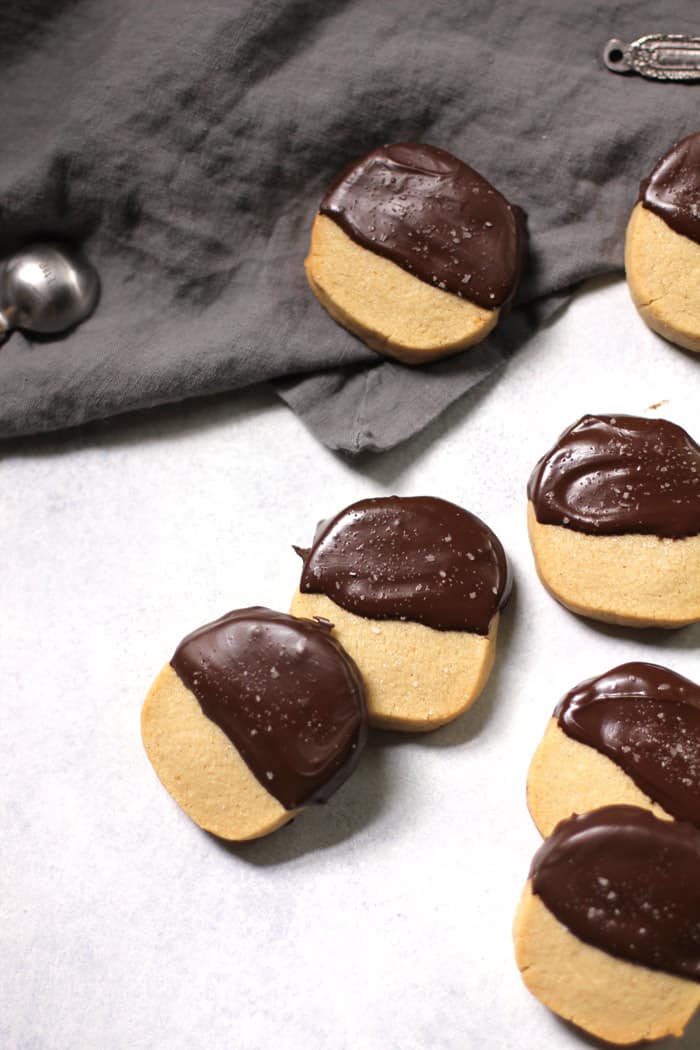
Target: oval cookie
point(662, 247)
point(631, 735)
point(607, 932)
point(415, 252)
point(414, 586)
point(257, 716)
point(614, 521)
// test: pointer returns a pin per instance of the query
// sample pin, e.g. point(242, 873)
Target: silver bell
point(46, 288)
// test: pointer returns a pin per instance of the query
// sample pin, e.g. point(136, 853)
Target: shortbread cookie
point(413, 587)
point(607, 932)
point(631, 735)
point(257, 716)
point(662, 249)
point(415, 252)
point(614, 521)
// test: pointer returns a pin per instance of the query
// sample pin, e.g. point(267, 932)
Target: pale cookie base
point(199, 766)
point(611, 998)
point(392, 311)
point(415, 678)
point(568, 777)
point(632, 580)
point(663, 274)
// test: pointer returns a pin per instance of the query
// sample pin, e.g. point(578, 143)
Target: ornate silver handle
point(660, 56)
point(46, 288)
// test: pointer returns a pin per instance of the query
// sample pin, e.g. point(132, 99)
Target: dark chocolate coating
point(285, 693)
point(410, 558)
point(647, 720)
point(611, 475)
point(672, 191)
point(623, 881)
point(435, 217)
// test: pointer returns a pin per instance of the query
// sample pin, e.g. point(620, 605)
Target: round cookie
point(415, 252)
point(606, 931)
point(257, 716)
point(413, 587)
point(632, 736)
point(614, 521)
point(662, 247)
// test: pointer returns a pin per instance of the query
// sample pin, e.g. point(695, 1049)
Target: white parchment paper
point(381, 921)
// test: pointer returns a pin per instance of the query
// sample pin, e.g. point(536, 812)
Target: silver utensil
point(660, 56)
point(46, 288)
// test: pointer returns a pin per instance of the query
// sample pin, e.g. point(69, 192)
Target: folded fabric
point(187, 147)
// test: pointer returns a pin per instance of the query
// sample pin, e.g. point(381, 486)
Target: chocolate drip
point(415, 558)
point(285, 693)
point(647, 720)
point(618, 474)
point(435, 217)
point(672, 191)
point(622, 880)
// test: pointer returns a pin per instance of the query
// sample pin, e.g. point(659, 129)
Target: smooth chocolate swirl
point(410, 558)
point(285, 693)
point(435, 217)
point(622, 880)
point(610, 475)
point(672, 191)
point(647, 720)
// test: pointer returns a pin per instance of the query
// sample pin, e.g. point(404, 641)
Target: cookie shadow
point(469, 725)
point(367, 793)
point(358, 803)
point(683, 351)
point(679, 638)
point(689, 1041)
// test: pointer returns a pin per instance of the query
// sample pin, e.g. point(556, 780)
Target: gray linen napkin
point(187, 145)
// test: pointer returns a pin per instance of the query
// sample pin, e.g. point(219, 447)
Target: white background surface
point(381, 921)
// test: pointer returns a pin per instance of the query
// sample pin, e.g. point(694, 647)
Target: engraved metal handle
point(46, 288)
point(660, 56)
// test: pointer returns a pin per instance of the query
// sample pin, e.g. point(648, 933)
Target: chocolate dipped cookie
point(631, 735)
point(662, 248)
point(414, 587)
point(607, 931)
point(415, 252)
point(257, 716)
point(614, 521)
